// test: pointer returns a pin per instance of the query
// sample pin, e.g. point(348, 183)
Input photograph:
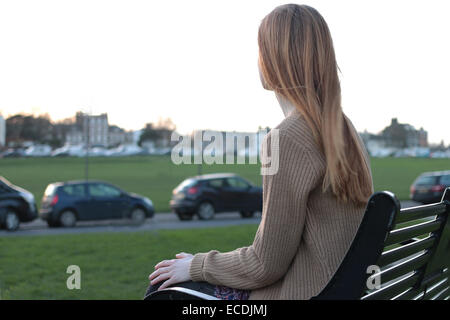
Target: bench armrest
point(179, 293)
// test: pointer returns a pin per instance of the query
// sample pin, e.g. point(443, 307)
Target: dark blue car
point(66, 203)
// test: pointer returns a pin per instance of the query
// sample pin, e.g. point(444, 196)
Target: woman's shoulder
point(295, 129)
point(293, 136)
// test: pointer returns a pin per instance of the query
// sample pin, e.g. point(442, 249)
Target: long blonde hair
point(297, 61)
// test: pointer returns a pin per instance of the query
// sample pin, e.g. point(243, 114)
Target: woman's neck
point(286, 106)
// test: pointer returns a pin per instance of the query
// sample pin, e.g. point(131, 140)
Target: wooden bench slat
point(393, 289)
point(179, 293)
point(444, 294)
point(435, 289)
point(436, 276)
point(419, 292)
point(403, 268)
point(403, 234)
point(404, 251)
point(411, 294)
point(420, 212)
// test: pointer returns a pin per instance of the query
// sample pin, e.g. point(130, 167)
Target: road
point(159, 222)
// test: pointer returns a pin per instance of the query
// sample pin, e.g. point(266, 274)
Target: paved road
point(158, 222)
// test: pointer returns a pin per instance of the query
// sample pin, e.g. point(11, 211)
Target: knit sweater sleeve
point(285, 197)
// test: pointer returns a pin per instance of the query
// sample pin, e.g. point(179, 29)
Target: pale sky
point(196, 62)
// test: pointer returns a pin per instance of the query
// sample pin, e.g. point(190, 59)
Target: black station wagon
point(16, 205)
point(209, 194)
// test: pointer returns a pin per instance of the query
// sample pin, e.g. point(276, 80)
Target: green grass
point(397, 174)
point(156, 176)
point(113, 265)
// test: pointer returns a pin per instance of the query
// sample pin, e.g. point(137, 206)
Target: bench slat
point(393, 289)
point(403, 268)
point(436, 277)
point(415, 292)
point(420, 212)
point(436, 289)
point(403, 234)
point(411, 294)
point(179, 293)
point(404, 251)
point(444, 294)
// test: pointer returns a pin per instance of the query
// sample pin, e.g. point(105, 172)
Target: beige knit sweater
point(303, 235)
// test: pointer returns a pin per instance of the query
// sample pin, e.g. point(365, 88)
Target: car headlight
point(28, 198)
point(148, 201)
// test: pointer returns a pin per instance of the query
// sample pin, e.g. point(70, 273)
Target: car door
point(75, 196)
point(106, 201)
point(213, 191)
point(235, 194)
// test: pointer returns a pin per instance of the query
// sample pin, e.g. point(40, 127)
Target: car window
point(445, 180)
point(186, 183)
point(76, 190)
point(216, 183)
point(426, 181)
point(103, 190)
point(237, 183)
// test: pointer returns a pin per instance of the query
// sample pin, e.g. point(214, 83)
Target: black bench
point(410, 247)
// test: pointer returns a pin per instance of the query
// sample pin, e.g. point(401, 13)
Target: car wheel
point(247, 214)
point(11, 220)
point(67, 219)
point(138, 216)
point(205, 211)
point(185, 216)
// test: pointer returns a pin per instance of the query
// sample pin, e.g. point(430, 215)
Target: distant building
point(97, 129)
point(395, 137)
point(2, 131)
point(118, 136)
point(399, 135)
point(373, 141)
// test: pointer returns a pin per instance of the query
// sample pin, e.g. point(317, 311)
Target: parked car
point(429, 186)
point(66, 203)
point(16, 205)
point(12, 153)
point(207, 195)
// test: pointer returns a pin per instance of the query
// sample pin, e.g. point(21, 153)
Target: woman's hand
point(173, 271)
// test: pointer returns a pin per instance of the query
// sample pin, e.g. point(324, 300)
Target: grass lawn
point(113, 265)
point(156, 176)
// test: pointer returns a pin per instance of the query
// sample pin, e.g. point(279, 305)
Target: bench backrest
point(405, 251)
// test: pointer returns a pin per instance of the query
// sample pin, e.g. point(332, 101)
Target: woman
point(314, 203)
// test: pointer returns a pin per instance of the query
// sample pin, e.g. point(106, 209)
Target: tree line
point(41, 129)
